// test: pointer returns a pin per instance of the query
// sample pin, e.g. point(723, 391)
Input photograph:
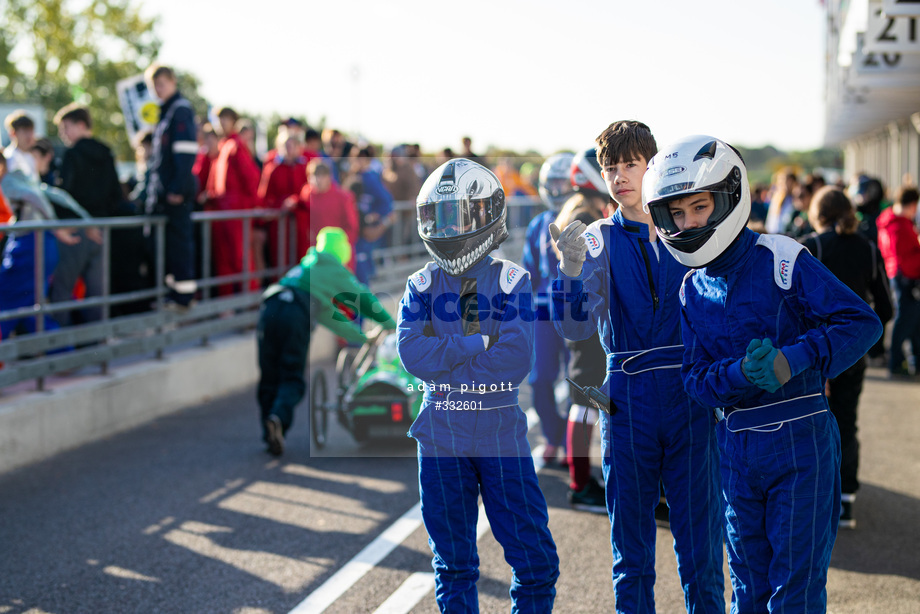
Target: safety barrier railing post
point(160, 268)
point(40, 298)
point(247, 255)
point(106, 282)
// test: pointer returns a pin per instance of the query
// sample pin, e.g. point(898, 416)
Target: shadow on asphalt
point(886, 540)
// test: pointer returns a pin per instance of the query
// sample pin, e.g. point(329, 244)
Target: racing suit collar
point(636, 228)
point(479, 267)
point(735, 257)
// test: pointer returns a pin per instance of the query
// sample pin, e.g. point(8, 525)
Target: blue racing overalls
point(780, 452)
point(627, 291)
point(471, 432)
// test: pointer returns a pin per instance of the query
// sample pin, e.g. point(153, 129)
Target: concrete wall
point(75, 411)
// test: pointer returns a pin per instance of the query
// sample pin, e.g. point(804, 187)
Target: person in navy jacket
point(465, 328)
point(375, 209)
point(764, 324)
point(172, 186)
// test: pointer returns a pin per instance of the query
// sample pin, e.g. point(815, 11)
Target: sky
point(542, 75)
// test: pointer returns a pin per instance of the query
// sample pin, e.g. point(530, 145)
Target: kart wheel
point(319, 417)
point(344, 368)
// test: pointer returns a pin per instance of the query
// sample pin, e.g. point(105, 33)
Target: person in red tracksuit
point(233, 184)
point(283, 178)
point(204, 160)
point(322, 203)
point(900, 247)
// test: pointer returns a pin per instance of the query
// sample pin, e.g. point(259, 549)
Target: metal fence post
point(106, 281)
point(39, 244)
point(160, 273)
point(247, 254)
point(281, 234)
point(207, 227)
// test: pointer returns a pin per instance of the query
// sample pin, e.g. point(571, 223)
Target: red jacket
point(234, 177)
point(898, 242)
point(280, 180)
point(315, 211)
point(202, 170)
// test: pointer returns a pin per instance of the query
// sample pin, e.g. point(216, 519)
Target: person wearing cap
point(307, 295)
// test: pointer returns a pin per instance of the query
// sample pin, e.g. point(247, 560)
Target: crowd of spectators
point(183, 165)
point(318, 179)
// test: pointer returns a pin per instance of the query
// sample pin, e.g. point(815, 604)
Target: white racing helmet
point(461, 214)
point(555, 185)
point(693, 165)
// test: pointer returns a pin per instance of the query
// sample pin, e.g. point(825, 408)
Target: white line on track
point(355, 569)
point(363, 562)
point(408, 594)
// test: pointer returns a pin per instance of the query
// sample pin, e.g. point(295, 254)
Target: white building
point(873, 87)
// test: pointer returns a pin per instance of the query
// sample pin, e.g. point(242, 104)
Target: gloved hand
point(766, 366)
point(571, 245)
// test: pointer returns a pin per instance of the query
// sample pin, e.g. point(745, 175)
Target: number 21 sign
point(887, 33)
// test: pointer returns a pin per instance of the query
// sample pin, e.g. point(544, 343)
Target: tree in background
point(53, 52)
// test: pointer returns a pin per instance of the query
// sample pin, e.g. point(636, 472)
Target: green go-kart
point(375, 398)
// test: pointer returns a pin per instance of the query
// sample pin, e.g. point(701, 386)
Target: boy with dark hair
point(21, 128)
point(625, 287)
point(88, 173)
point(764, 324)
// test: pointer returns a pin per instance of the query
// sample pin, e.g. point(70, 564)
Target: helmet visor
point(456, 217)
point(559, 187)
point(726, 195)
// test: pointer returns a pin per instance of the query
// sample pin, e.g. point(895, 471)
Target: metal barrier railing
point(46, 352)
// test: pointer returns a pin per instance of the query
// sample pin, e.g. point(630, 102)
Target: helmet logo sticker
point(675, 170)
point(677, 187)
point(671, 155)
point(447, 189)
point(420, 279)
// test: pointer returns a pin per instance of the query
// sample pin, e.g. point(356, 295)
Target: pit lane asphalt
point(189, 514)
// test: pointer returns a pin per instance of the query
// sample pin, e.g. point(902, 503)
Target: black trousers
point(179, 244)
point(283, 334)
point(844, 401)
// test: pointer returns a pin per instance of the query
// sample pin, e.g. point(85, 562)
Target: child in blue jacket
point(465, 328)
point(763, 324)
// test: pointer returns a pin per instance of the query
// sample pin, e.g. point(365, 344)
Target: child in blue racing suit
point(461, 332)
point(764, 324)
point(626, 286)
